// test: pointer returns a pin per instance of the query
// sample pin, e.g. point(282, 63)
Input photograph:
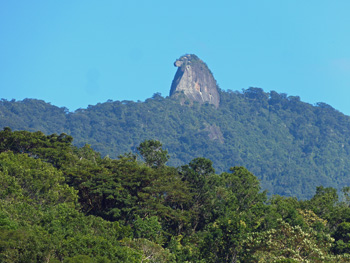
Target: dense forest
point(62, 203)
point(291, 146)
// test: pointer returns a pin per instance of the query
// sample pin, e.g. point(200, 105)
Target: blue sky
point(79, 53)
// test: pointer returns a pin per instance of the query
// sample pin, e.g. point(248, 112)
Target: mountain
point(194, 79)
point(290, 145)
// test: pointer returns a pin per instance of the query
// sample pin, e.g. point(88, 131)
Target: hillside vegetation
point(60, 203)
point(291, 146)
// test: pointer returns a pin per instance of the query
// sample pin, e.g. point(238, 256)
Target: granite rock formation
point(194, 79)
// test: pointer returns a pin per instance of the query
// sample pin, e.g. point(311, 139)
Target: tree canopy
point(61, 203)
point(291, 146)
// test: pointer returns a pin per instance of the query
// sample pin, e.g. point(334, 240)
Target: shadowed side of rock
point(194, 79)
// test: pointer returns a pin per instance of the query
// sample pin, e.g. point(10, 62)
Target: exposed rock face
point(215, 133)
point(194, 79)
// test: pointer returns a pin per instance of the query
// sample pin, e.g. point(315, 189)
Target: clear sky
point(79, 53)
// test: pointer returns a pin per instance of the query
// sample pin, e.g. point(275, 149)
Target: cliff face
point(194, 79)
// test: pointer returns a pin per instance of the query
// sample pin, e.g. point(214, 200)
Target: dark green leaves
point(152, 153)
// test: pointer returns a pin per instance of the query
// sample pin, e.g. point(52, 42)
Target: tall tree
point(152, 153)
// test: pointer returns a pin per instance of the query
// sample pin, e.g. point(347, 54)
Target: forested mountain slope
point(291, 146)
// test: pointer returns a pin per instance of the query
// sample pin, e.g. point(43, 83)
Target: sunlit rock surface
point(194, 79)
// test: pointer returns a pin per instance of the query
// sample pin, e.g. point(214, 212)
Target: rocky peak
point(194, 79)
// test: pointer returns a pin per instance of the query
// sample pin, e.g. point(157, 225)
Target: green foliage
point(148, 228)
point(287, 242)
point(152, 153)
point(54, 148)
point(199, 175)
point(26, 178)
point(60, 203)
point(291, 146)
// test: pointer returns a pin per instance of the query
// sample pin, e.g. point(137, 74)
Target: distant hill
point(290, 145)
